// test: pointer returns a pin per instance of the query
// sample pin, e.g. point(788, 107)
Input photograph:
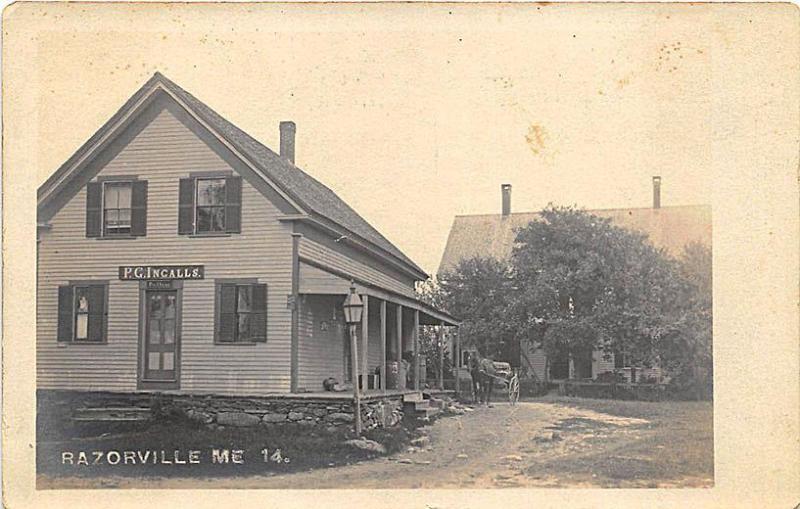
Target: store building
point(177, 254)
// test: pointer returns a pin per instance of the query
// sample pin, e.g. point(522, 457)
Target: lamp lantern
point(353, 309)
point(353, 306)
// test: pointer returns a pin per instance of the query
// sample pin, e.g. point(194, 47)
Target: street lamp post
point(353, 308)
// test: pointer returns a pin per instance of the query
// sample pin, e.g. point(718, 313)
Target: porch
point(389, 353)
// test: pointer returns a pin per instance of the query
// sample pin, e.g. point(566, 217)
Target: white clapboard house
point(177, 254)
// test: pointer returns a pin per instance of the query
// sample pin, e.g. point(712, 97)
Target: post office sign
point(161, 272)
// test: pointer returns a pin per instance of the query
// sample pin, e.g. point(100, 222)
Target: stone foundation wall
point(221, 411)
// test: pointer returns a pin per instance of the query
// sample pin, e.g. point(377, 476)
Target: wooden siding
point(340, 263)
point(162, 153)
point(321, 352)
point(317, 281)
point(600, 364)
point(538, 361)
point(374, 344)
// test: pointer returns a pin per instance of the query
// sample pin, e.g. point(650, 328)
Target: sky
point(412, 114)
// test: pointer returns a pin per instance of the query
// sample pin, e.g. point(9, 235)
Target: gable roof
point(493, 235)
point(313, 197)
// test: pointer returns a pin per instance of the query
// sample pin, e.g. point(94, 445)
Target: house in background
point(178, 255)
point(493, 235)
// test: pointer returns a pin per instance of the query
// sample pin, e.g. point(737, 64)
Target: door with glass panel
point(161, 335)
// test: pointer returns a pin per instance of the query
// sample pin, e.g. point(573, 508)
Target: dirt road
point(532, 444)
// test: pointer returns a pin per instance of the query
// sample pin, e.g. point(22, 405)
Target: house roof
point(493, 235)
point(311, 195)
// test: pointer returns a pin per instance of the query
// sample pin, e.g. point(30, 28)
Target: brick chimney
point(506, 191)
point(656, 192)
point(288, 128)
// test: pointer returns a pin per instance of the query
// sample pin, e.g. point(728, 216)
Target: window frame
point(197, 206)
point(104, 233)
point(74, 285)
point(238, 282)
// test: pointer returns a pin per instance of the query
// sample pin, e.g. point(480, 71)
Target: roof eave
point(358, 242)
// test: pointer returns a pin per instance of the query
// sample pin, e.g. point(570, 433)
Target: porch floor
point(340, 396)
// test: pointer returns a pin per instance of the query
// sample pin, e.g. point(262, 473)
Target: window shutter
point(94, 209)
point(97, 313)
point(65, 310)
point(226, 326)
point(259, 316)
point(139, 208)
point(233, 204)
point(186, 207)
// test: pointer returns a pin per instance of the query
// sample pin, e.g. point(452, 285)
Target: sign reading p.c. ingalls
point(162, 272)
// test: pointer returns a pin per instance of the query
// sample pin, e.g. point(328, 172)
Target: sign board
point(159, 285)
point(162, 272)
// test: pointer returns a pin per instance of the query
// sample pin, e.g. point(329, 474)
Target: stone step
point(104, 414)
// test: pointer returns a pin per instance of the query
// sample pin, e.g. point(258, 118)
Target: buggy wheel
point(513, 390)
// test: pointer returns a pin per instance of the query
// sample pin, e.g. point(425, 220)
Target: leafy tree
point(577, 283)
point(687, 349)
point(478, 290)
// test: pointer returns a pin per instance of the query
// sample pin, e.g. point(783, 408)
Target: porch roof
point(321, 280)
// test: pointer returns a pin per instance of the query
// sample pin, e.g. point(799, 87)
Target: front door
point(161, 336)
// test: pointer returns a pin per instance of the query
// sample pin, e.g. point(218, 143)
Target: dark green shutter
point(97, 313)
point(65, 311)
point(226, 325)
point(258, 320)
point(233, 204)
point(186, 207)
point(139, 208)
point(94, 209)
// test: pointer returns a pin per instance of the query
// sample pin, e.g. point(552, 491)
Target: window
point(209, 205)
point(82, 312)
point(241, 312)
point(210, 201)
point(117, 208)
point(244, 308)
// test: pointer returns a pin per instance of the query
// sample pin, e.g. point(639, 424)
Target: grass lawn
point(675, 446)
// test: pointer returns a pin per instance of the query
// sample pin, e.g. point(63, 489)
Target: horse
point(475, 373)
point(486, 374)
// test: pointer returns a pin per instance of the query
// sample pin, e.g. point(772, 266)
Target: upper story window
point(210, 204)
point(210, 208)
point(117, 208)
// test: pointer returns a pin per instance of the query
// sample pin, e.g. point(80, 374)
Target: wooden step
point(427, 413)
point(412, 397)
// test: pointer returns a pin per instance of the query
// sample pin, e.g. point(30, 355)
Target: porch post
point(399, 338)
point(294, 346)
point(440, 336)
point(416, 349)
point(365, 344)
point(383, 345)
